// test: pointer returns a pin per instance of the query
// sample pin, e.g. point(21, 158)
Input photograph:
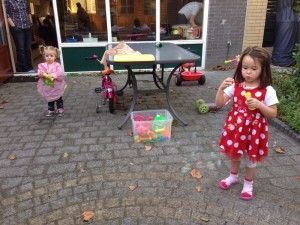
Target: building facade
point(224, 28)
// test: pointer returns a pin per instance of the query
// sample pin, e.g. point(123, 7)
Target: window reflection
point(82, 20)
point(133, 20)
point(181, 19)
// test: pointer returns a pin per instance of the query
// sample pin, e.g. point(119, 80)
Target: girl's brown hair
point(264, 58)
point(43, 48)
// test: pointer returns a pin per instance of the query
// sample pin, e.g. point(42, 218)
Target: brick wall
point(255, 23)
point(226, 22)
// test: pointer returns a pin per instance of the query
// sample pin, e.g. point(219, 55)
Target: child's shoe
point(60, 112)
point(247, 192)
point(229, 181)
point(50, 113)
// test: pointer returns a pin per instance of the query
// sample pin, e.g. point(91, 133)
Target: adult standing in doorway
point(188, 13)
point(20, 25)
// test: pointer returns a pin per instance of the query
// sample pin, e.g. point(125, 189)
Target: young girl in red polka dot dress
point(245, 133)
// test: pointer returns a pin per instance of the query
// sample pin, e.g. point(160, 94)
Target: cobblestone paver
point(81, 161)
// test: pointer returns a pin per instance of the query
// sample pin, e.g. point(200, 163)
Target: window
point(175, 19)
point(132, 25)
point(82, 20)
point(126, 6)
point(149, 7)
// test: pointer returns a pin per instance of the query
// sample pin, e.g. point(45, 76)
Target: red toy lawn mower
point(189, 72)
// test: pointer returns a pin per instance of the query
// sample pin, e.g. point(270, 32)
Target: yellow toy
point(248, 96)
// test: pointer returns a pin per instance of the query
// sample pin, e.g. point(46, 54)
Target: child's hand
point(253, 103)
point(226, 83)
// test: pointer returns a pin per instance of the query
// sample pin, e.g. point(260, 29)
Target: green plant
point(288, 91)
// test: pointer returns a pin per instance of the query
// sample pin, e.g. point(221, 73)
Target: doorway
point(43, 32)
point(5, 64)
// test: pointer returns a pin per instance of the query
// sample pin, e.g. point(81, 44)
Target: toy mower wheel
point(202, 80)
point(178, 80)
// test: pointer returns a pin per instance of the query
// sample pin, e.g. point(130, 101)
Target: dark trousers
point(59, 104)
point(181, 19)
point(22, 39)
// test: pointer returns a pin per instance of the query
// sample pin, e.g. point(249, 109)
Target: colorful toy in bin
point(151, 127)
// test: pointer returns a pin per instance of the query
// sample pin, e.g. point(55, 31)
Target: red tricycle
point(189, 72)
point(108, 89)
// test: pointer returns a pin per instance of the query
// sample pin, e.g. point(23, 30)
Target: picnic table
point(164, 53)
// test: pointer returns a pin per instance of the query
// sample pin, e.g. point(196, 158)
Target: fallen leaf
point(280, 150)
point(132, 187)
point(87, 216)
point(196, 173)
point(297, 178)
point(175, 123)
point(205, 219)
point(12, 157)
point(66, 155)
point(130, 133)
point(198, 188)
point(148, 147)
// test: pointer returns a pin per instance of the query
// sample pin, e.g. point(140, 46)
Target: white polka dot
point(224, 133)
point(235, 113)
point(236, 145)
point(247, 122)
point(243, 137)
point(235, 99)
point(253, 132)
point(240, 129)
point(264, 120)
point(257, 141)
point(242, 111)
point(254, 156)
point(243, 93)
point(229, 118)
point(239, 120)
point(261, 152)
point(229, 142)
point(221, 146)
point(250, 147)
point(262, 136)
point(267, 144)
point(259, 125)
point(245, 114)
point(257, 115)
point(249, 137)
point(231, 127)
point(258, 94)
point(240, 152)
point(266, 128)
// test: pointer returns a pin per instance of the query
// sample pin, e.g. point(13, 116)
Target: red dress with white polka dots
point(245, 132)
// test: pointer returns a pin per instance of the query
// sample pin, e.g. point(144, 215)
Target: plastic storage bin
point(151, 125)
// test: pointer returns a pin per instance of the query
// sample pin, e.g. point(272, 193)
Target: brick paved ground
point(80, 162)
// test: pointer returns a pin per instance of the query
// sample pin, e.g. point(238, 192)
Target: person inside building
point(139, 27)
point(83, 18)
point(20, 26)
point(188, 13)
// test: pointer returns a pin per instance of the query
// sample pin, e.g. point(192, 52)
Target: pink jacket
point(51, 93)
